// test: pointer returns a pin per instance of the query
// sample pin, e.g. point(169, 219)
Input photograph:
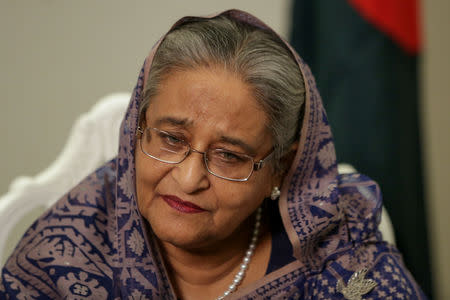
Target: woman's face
point(185, 204)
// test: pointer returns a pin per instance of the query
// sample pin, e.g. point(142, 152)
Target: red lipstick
point(182, 206)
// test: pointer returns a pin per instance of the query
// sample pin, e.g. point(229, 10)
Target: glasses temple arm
point(258, 165)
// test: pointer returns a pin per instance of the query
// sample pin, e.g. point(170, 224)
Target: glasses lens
point(230, 165)
point(169, 148)
point(163, 146)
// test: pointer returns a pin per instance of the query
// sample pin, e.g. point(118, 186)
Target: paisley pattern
point(94, 244)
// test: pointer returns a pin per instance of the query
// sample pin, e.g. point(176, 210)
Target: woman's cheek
point(149, 174)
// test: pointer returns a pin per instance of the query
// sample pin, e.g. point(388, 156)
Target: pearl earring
point(275, 193)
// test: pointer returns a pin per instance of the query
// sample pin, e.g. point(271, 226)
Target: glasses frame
point(256, 165)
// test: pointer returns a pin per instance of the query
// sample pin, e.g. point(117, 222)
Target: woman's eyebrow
point(173, 121)
point(184, 122)
point(235, 141)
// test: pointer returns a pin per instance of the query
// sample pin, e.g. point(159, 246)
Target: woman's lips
point(180, 205)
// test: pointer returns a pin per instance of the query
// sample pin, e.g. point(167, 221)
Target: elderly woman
point(223, 117)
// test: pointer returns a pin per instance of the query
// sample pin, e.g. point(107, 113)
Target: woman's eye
point(229, 156)
point(171, 139)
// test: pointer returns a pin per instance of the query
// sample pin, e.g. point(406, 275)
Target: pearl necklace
point(246, 260)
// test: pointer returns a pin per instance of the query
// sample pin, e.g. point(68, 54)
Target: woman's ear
point(288, 158)
point(286, 162)
point(294, 148)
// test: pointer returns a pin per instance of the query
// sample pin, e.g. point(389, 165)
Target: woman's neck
point(206, 274)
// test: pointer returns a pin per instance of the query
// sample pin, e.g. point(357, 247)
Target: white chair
point(93, 141)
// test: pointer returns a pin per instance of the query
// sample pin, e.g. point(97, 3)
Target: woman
point(224, 114)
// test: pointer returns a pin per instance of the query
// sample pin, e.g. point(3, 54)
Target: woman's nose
point(191, 174)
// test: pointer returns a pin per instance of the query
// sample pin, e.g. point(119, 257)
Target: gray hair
point(257, 56)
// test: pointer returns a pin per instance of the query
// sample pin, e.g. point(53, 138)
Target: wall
point(436, 136)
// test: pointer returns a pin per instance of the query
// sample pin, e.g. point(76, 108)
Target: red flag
point(397, 18)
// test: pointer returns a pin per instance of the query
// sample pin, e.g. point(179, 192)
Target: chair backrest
point(93, 141)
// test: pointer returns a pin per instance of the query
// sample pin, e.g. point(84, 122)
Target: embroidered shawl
point(92, 244)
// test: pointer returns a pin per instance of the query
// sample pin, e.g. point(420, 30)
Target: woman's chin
point(184, 240)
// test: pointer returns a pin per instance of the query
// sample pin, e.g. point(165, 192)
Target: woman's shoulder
point(87, 207)
point(70, 243)
point(366, 271)
point(372, 270)
point(363, 264)
point(357, 262)
point(361, 204)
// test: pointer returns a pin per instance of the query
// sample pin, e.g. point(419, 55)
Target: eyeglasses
point(168, 148)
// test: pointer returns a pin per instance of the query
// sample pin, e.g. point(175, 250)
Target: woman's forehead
point(210, 98)
point(207, 93)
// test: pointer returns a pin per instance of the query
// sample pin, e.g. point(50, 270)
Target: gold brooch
point(357, 285)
